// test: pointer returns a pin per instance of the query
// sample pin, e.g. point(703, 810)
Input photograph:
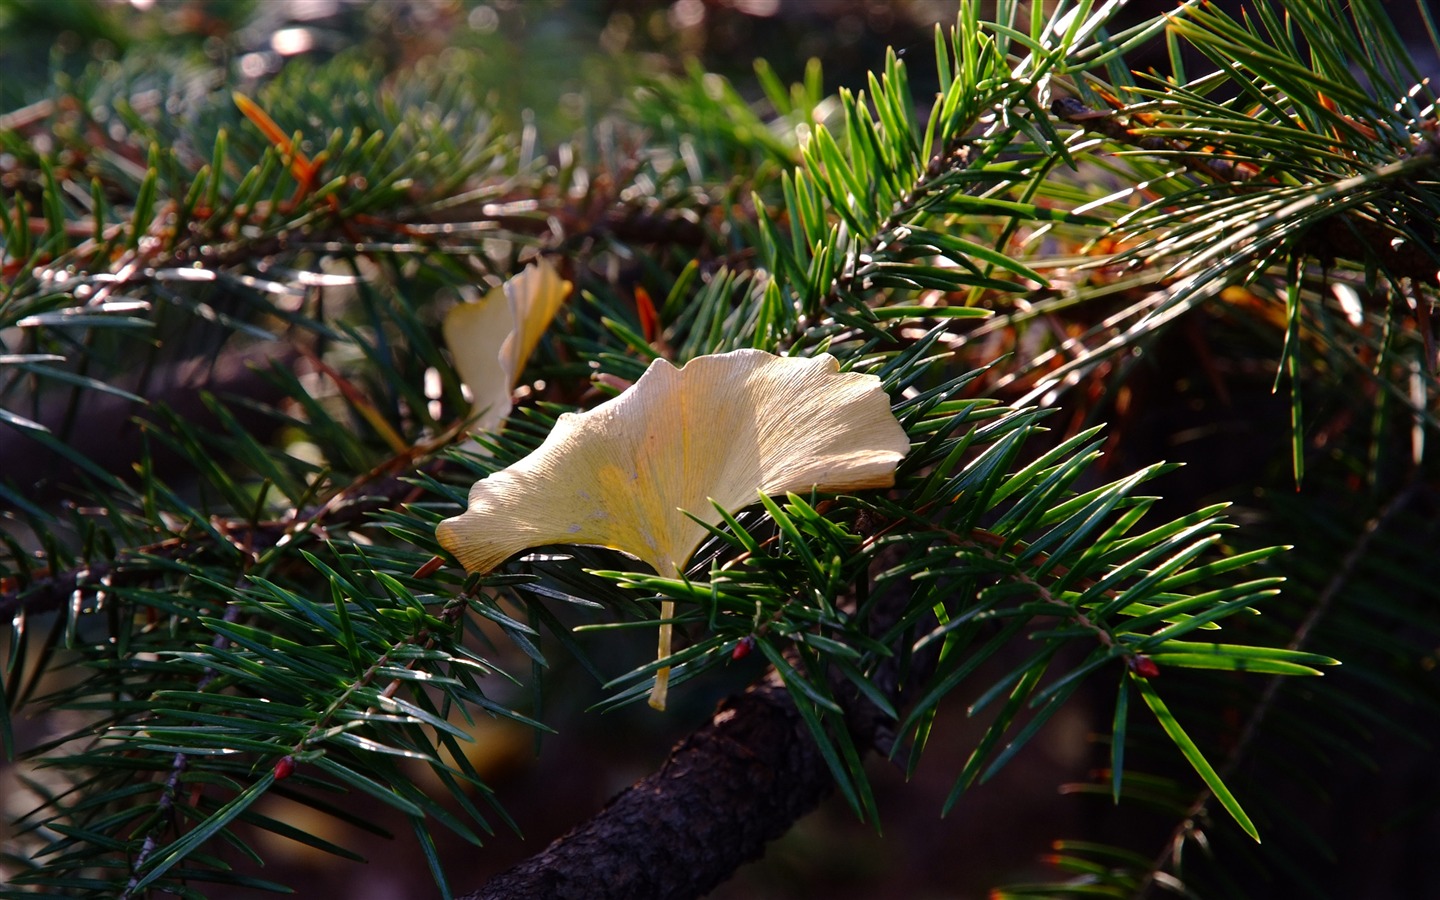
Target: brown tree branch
point(738, 782)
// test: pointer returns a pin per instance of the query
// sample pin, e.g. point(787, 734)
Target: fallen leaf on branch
point(724, 428)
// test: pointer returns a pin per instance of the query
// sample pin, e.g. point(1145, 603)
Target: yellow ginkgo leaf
point(491, 340)
point(724, 428)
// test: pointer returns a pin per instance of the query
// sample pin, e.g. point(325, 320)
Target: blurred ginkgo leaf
point(491, 340)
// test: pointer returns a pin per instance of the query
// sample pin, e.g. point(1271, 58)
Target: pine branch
point(1254, 723)
point(351, 505)
point(1347, 235)
point(179, 763)
point(106, 428)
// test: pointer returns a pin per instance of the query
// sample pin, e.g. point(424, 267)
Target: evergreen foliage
point(221, 314)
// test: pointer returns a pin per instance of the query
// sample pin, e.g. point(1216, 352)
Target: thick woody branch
point(726, 790)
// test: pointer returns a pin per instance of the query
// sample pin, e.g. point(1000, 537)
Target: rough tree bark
point(735, 784)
